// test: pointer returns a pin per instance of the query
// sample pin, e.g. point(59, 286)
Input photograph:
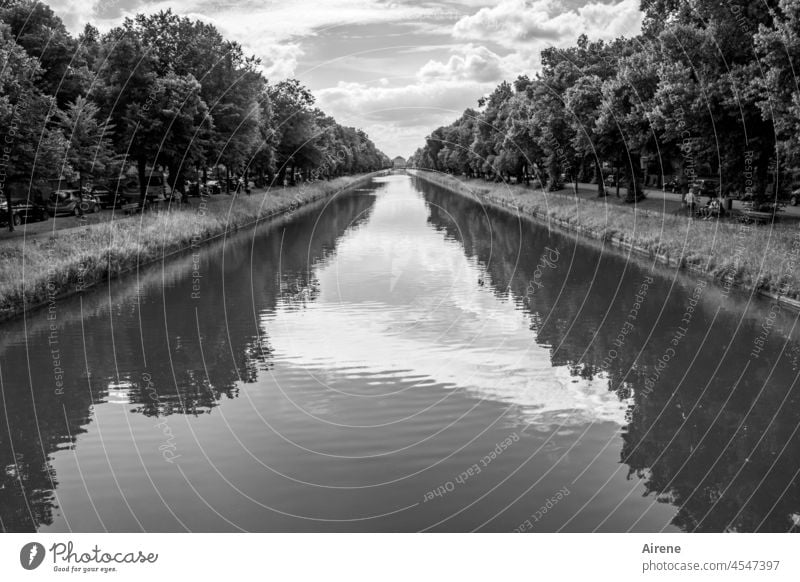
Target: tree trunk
point(9, 211)
point(762, 171)
point(635, 190)
point(601, 184)
point(178, 181)
point(141, 167)
point(554, 173)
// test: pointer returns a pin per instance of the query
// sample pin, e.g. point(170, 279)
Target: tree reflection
point(165, 342)
point(715, 434)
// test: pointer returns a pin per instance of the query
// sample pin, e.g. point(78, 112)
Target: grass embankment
point(761, 258)
point(36, 271)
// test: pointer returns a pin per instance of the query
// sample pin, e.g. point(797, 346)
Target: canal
point(399, 358)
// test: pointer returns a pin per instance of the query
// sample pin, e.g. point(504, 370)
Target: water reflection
point(712, 425)
point(124, 347)
point(424, 316)
point(328, 373)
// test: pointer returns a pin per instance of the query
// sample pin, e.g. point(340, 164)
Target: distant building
point(399, 162)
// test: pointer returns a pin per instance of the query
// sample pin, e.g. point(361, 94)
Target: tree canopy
point(158, 92)
point(706, 89)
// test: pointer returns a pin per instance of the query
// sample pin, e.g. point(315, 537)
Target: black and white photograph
point(390, 267)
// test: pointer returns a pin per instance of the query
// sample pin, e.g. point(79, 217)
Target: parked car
point(109, 196)
point(72, 202)
point(157, 188)
point(21, 211)
point(193, 187)
point(213, 187)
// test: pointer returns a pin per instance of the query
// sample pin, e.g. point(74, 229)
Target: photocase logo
point(31, 555)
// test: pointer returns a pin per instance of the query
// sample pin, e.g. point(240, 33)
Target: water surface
point(401, 359)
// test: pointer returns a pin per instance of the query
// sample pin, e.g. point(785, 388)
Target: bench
point(708, 212)
point(753, 216)
point(130, 208)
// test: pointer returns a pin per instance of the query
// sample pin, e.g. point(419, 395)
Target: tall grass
point(765, 258)
point(38, 270)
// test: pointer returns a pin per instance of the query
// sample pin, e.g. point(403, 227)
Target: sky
point(395, 68)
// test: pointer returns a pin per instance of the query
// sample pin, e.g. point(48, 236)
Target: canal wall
point(514, 206)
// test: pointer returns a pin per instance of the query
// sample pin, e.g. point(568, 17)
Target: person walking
point(691, 201)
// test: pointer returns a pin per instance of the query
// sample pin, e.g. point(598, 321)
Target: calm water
point(401, 359)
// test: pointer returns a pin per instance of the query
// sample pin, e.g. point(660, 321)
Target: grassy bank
point(761, 258)
point(34, 272)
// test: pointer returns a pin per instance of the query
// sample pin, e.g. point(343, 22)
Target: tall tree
point(293, 122)
point(35, 27)
point(170, 130)
point(90, 149)
point(32, 150)
point(778, 92)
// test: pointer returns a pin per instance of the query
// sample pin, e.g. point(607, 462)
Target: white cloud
point(544, 22)
point(473, 63)
point(410, 94)
point(272, 31)
point(397, 118)
point(74, 13)
point(279, 59)
point(413, 104)
point(289, 19)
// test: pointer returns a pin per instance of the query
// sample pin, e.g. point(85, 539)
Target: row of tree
point(156, 91)
point(707, 88)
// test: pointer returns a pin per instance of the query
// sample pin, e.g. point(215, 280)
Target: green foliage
point(89, 147)
point(163, 92)
point(707, 89)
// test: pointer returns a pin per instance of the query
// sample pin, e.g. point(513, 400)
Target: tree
point(36, 28)
point(549, 128)
point(583, 101)
point(625, 115)
point(231, 85)
point(31, 149)
point(778, 49)
point(89, 146)
point(709, 55)
point(127, 80)
point(293, 121)
point(162, 91)
point(170, 129)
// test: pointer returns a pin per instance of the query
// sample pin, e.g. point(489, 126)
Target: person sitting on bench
point(712, 209)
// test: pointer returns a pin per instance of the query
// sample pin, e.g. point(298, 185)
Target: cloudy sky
point(396, 68)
